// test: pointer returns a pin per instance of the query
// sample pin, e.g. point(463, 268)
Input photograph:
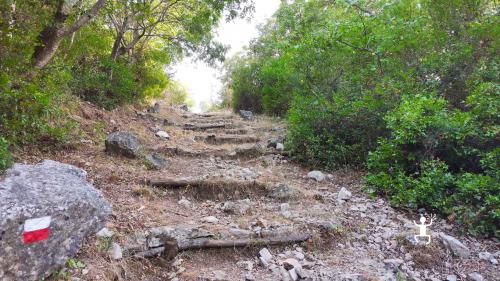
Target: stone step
point(227, 139)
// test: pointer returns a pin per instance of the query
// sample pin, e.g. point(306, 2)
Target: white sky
point(201, 80)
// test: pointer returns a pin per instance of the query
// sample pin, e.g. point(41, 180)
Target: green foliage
point(5, 157)
point(118, 57)
point(408, 89)
point(177, 94)
point(440, 158)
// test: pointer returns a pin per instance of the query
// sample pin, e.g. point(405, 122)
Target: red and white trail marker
point(36, 229)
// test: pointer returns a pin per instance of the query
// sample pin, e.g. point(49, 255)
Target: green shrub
point(5, 157)
point(28, 112)
point(443, 159)
point(333, 132)
point(104, 82)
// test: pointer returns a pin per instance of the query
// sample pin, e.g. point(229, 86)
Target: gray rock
point(105, 233)
point(57, 194)
point(240, 207)
point(184, 202)
point(485, 256)
point(451, 277)
point(455, 246)
point(280, 146)
point(210, 219)
point(184, 107)
point(281, 191)
point(248, 115)
point(265, 256)
point(163, 135)
point(344, 194)
point(156, 161)
point(115, 251)
point(474, 276)
point(317, 175)
point(123, 143)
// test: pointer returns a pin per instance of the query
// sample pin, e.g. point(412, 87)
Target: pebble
point(210, 219)
point(317, 175)
point(344, 194)
point(163, 135)
point(451, 277)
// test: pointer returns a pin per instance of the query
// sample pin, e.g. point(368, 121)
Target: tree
point(52, 35)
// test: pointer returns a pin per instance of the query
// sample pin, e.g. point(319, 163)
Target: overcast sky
point(201, 80)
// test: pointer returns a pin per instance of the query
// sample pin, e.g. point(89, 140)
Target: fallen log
point(173, 244)
point(232, 243)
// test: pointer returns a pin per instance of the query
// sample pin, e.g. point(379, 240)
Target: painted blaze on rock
point(46, 211)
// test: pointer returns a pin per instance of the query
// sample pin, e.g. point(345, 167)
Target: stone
point(163, 135)
point(280, 146)
point(104, 233)
point(317, 175)
point(265, 256)
point(156, 161)
point(247, 115)
point(122, 143)
point(455, 246)
point(240, 207)
point(281, 191)
point(60, 195)
point(210, 219)
point(485, 256)
point(155, 108)
point(115, 251)
point(293, 274)
point(451, 277)
point(184, 202)
point(474, 276)
point(284, 207)
point(344, 194)
point(184, 107)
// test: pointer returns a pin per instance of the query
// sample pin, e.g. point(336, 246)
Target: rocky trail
point(215, 197)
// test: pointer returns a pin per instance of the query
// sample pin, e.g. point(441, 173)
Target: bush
point(333, 132)
point(442, 159)
point(28, 112)
point(104, 82)
point(5, 157)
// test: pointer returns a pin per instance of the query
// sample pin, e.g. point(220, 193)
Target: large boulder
point(123, 143)
point(46, 212)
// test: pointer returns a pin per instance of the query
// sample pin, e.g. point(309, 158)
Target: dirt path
point(239, 187)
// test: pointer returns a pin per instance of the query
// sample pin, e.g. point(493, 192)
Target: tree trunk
point(52, 35)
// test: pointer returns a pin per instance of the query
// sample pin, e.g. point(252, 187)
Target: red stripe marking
point(36, 235)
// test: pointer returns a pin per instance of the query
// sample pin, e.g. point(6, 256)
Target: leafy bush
point(330, 133)
point(5, 157)
point(442, 159)
point(28, 112)
point(104, 82)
